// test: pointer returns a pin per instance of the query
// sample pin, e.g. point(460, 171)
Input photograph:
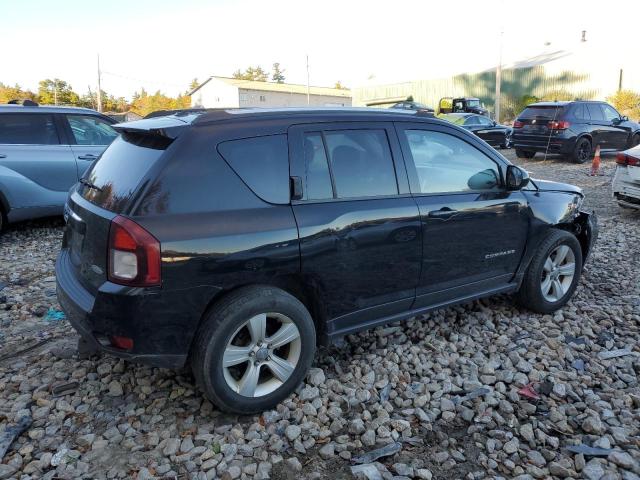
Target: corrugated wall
point(515, 86)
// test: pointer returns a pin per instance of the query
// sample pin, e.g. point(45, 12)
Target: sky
point(164, 44)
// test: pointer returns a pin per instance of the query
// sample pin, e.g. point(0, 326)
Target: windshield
point(473, 103)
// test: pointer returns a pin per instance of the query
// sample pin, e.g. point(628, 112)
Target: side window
point(446, 163)
point(361, 163)
point(317, 176)
point(484, 121)
point(609, 112)
point(28, 129)
point(472, 121)
point(595, 112)
point(580, 112)
point(262, 163)
point(91, 130)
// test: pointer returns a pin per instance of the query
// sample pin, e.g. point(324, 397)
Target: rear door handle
point(89, 156)
point(2, 155)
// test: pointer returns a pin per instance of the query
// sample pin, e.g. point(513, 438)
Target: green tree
point(8, 93)
point(627, 102)
point(193, 85)
point(143, 103)
point(251, 73)
point(57, 92)
point(277, 74)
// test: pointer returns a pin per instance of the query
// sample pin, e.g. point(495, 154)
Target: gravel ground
point(441, 390)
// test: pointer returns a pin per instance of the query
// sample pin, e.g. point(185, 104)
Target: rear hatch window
point(543, 113)
point(114, 179)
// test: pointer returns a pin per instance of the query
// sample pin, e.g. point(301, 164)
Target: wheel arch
point(303, 288)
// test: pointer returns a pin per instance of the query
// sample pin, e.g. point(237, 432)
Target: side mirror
point(517, 178)
point(495, 123)
point(616, 121)
point(625, 118)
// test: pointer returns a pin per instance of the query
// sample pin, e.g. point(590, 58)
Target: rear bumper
point(625, 189)
point(562, 143)
point(160, 324)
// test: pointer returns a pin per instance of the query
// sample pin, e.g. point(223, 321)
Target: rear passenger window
point(262, 163)
point(580, 113)
point(445, 163)
point(595, 112)
point(317, 176)
point(28, 129)
point(361, 163)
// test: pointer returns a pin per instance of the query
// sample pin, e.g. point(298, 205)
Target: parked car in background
point(44, 150)
point(573, 129)
point(411, 105)
point(461, 105)
point(490, 131)
point(236, 240)
point(626, 181)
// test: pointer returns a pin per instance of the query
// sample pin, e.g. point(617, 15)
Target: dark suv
point(237, 240)
point(573, 129)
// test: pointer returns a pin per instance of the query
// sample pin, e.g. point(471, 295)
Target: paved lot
point(407, 383)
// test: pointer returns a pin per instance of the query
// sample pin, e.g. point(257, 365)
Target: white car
point(626, 181)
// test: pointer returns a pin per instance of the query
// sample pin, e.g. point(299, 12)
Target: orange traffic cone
point(595, 164)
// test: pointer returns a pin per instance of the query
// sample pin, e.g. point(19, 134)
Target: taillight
point(134, 254)
point(518, 124)
point(559, 125)
point(625, 159)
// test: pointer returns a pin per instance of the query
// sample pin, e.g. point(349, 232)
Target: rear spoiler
point(167, 127)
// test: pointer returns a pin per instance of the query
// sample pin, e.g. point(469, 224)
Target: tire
point(524, 153)
point(582, 151)
point(225, 323)
point(531, 293)
point(507, 142)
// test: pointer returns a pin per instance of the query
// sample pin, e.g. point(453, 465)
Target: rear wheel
point(553, 273)
point(524, 153)
point(253, 349)
point(582, 151)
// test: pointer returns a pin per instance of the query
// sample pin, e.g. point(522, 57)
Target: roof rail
point(26, 102)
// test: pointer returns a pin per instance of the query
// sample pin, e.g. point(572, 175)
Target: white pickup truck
point(626, 181)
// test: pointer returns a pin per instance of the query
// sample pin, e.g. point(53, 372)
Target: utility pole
point(620, 81)
point(498, 81)
point(99, 99)
point(308, 100)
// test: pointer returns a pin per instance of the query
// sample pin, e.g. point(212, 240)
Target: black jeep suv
point(573, 129)
point(235, 241)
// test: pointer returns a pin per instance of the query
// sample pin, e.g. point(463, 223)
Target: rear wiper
point(88, 184)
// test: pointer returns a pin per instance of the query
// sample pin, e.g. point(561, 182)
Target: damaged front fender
point(586, 231)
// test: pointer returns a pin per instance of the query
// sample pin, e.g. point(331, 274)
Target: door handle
point(444, 213)
point(2, 155)
point(89, 156)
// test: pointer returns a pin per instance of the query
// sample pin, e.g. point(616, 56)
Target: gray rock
point(316, 377)
point(292, 432)
point(367, 471)
point(511, 446)
point(115, 389)
point(536, 458)
point(171, 447)
point(593, 470)
point(294, 464)
point(327, 451)
point(622, 459)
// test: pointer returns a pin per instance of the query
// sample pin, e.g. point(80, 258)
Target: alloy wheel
point(583, 151)
point(557, 273)
point(261, 355)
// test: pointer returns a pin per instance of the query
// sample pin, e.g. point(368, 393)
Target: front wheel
point(253, 349)
point(553, 273)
